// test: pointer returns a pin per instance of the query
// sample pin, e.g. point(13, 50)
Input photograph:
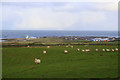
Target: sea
point(49, 33)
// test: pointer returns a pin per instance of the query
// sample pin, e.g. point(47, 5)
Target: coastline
point(53, 41)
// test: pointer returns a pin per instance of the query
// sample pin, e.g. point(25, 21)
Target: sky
point(93, 16)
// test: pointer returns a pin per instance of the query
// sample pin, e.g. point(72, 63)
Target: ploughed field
point(19, 62)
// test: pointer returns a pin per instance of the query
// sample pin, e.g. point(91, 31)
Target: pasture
point(19, 62)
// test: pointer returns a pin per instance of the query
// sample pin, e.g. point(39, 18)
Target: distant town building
point(100, 39)
point(27, 37)
point(33, 37)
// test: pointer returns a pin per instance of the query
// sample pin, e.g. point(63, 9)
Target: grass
point(50, 41)
point(19, 62)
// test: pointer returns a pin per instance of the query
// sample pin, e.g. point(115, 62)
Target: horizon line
point(62, 30)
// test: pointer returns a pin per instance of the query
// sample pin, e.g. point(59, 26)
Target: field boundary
point(16, 45)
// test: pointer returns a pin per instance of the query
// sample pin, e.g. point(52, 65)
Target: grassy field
point(46, 41)
point(19, 62)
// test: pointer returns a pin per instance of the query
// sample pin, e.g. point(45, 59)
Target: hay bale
point(66, 46)
point(96, 49)
point(113, 50)
point(44, 52)
point(83, 50)
point(107, 50)
point(28, 46)
point(48, 46)
point(116, 49)
point(103, 49)
point(65, 51)
point(78, 49)
point(37, 61)
point(87, 50)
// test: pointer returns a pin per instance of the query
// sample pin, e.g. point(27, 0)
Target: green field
point(51, 41)
point(19, 62)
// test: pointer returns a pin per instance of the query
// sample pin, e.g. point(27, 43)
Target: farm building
point(100, 39)
point(27, 37)
point(33, 37)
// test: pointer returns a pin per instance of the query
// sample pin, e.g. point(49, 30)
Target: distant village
point(87, 38)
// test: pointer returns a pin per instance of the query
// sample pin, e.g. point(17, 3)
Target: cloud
point(59, 0)
point(0, 18)
point(59, 16)
point(38, 18)
point(89, 17)
point(108, 6)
